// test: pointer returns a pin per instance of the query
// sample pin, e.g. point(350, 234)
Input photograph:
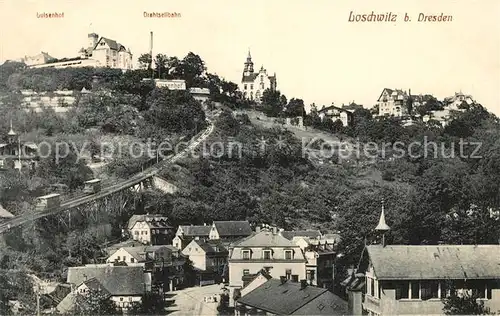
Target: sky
point(317, 54)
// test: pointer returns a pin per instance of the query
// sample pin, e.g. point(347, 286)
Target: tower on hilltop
point(248, 70)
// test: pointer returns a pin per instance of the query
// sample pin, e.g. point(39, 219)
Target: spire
point(248, 70)
point(11, 131)
point(382, 226)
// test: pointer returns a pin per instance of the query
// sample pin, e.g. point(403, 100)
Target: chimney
point(204, 224)
point(275, 230)
point(282, 279)
point(303, 284)
point(257, 229)
point(281, 231)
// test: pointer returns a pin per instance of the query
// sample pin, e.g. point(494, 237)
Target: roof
point(290, 299)
point(145, 218)
point(192, 231)
point(233, 228)
point(211, 247)
point(139, 253)
point(69, 302)
point(435, 262)
point(391, 91)
point(250, 78)
point(4, 213)
point(96, 285)
point(118, 280)
point(114, 45)
point(265, 239)
point(301, 233)
point(128, 243)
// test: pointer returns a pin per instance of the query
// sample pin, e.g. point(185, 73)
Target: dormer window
point(246, 254)
point(288, 255)
point(267, 254)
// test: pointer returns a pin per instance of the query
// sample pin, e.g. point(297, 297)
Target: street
point(190, 301)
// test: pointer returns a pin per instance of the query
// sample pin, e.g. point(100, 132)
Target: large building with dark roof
point(265, 250)
point(253, 84)
point(282, 297)
point(230, 230)
point(123, 283)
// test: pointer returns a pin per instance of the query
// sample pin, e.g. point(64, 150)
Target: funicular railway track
point(109, 189)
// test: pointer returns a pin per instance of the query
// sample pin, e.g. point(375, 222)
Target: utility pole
point(38, 300)
point(151, 53)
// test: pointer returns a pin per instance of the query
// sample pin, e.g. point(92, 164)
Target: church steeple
point(11, 136)
point(248, 70)
point(382, 226)
point(11, 131)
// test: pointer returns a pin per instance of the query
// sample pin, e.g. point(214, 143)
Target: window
point(118, 258)
point(288, 254)
point(267, 254)
point(132, 260)
point(245, 87)
point(415, 290)
point(262, 85)
point(295, 278)
point(429, 289)
point(136, 232)
point(246, 272)
point(121, 299)
point(246, 254)
point(288, 274)
point(402, 290)
point(251, 87)
point(372, 287)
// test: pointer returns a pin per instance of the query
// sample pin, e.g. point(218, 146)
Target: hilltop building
point(337, 113)
point(38, 59)
point(253, 84)
point(100, 52)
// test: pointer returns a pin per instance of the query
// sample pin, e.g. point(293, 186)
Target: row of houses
point(268, 270)
point(394, 103)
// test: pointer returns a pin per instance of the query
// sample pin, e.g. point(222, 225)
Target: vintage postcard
point(283, 157)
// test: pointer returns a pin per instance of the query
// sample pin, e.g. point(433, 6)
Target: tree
point(96, 302)
point(191, 68)
point(295, 108)
point(465, 304)
point(161, 66)
point(273, 102)
point(151, 304)
point(145, 61)
point(189, 273)
point(313, 118)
